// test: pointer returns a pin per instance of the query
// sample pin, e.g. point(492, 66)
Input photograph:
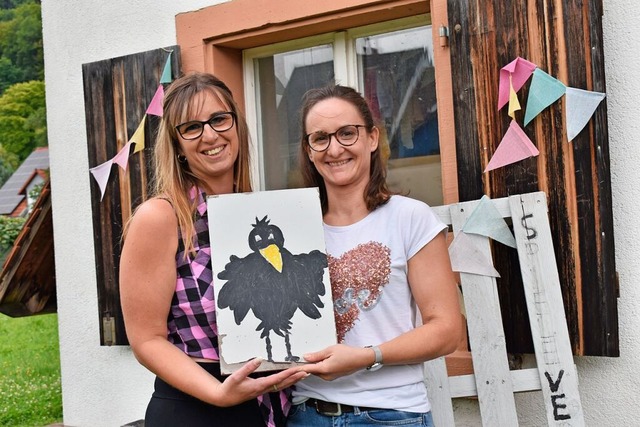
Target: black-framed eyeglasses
point(219, 122)
point(346, 136)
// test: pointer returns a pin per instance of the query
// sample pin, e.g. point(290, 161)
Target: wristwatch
point(377, 364)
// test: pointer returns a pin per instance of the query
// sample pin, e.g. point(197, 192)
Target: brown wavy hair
point(173, 179)
point(376, 193)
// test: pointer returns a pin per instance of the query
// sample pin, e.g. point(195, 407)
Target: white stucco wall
point(102, 386)
point(105, 386)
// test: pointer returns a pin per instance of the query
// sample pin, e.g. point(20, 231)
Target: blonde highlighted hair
point(172, 178)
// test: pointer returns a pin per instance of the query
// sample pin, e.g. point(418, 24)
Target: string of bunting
point(464, 251)
point(544, 90)
point(515, 146)
point(102, 172)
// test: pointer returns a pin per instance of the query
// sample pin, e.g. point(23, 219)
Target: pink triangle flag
point(515, 146)
point(101, 175)
point(122, 158)
point(519, 70)
point(155, 107)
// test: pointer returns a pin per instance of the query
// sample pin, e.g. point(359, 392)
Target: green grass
point(30, 392)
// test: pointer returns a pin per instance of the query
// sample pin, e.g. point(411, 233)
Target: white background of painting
point(298, 214)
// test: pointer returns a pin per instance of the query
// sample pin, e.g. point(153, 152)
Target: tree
point(6, 170)
point(9, 230)
point(22, 119)
point(21, 51)
point(9, 74)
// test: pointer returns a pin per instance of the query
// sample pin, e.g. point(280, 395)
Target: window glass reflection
point(397, 75)
point(282, 79)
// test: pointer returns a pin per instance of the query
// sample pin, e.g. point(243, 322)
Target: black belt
point(331, 409)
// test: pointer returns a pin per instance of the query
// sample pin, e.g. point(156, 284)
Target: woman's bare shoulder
point(155, 214)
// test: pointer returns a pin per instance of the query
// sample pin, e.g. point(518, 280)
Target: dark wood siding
point(563, 39)
point(117, 93)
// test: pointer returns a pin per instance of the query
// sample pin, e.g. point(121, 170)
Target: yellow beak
point(272, 254)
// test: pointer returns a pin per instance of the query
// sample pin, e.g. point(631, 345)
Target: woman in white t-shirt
point(388, 258)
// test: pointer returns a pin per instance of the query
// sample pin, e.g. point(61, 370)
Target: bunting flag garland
point(166, 72)
point(138, 136)
point(122, 158)
point(513, 75)
point(515, 146)
point(101, 175)
point(155, 107)
point(514, 104)
point(485, 220)
point(467, 258)
point(580, 105)
point(102, 172)
point(544, 91)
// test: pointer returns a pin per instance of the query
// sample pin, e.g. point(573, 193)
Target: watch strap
point(378, 356)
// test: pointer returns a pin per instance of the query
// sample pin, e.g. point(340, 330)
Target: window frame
point(345, 71)
point(219, 48)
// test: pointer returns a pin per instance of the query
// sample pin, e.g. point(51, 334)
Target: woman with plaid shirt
point(166, 283)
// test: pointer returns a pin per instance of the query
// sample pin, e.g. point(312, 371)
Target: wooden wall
point(564, 39)
point(117, 93)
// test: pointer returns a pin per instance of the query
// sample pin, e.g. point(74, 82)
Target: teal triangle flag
point(544, 91)
point(485, 220)
point(166, 73)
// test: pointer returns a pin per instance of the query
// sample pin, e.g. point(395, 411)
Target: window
point(390, 63)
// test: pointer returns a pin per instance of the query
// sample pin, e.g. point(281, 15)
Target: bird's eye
point(258, 238)
point(270, 236)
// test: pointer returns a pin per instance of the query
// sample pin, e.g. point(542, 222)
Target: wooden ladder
point(493, 383)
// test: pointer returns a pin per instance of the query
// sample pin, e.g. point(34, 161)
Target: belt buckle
point(330, 414)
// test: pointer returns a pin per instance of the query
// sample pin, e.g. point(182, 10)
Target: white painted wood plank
point(554, 358)
point(486, 335)
point(437, 382)
point(522, 380)
point(444, 214)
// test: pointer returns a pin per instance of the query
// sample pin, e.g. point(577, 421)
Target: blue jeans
point(306, 416)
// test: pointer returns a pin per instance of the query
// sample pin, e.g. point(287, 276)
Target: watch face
point(374, 367)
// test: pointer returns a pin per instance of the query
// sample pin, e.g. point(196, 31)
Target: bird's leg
point(268, 341)
point(290, 357)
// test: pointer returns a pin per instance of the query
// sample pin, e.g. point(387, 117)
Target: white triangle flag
point(101, 175)
point(467, 258)
point(580, 106)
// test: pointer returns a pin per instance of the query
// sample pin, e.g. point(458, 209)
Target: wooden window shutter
point(563, 39)
point(117, 93)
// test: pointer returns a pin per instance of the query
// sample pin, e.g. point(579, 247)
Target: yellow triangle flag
point(138, 136)
point(514, 104)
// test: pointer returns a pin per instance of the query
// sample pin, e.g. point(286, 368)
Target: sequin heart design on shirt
point(357, 279)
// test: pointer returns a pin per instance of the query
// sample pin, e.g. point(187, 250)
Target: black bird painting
point(273, 283)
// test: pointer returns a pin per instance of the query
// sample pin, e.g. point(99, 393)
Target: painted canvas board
point(271, 280)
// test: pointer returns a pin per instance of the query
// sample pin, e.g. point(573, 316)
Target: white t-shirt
point(373, 302)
